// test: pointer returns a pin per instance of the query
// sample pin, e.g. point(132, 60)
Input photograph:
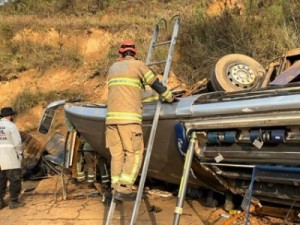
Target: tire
point(236, 72)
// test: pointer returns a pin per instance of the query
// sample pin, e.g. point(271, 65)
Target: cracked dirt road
point(43, 206)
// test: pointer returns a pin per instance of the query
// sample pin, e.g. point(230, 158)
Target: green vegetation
point(26, 55)
point(47, 7)
point(27, 99)
point(260, 29)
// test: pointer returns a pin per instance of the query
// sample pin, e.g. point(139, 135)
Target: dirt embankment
point(94, 45)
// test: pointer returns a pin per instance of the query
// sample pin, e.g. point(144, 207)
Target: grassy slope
point(208, 31)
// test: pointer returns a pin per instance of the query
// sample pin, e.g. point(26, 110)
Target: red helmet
point(127, 45)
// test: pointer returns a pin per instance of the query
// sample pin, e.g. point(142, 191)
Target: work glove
point(168, 97)
point(172, 99)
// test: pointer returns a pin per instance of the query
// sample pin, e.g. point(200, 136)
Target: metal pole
point(184, 178)
point(171, 50)
point(111, 211)
point(145, 166)
point(153, 41)
point(64, 189)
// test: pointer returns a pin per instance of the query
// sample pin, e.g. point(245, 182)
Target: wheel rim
point(241, 75)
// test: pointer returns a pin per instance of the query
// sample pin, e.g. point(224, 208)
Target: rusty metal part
point(292, 52)
point(267, 77)
point(222, 181)
point(287, 214)
point(288, 75)
point(198, 86)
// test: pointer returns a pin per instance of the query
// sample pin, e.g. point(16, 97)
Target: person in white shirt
point(10, 159)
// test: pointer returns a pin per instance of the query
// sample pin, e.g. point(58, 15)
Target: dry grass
point(28, 99)
point(137, 23)
point(260, 31)
point(263, 33)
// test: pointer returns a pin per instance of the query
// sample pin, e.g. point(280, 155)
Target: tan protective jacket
point(126, 80)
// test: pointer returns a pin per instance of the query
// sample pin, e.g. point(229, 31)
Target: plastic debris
point(157, 192)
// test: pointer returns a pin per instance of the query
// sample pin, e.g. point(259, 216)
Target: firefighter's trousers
point(125, 143)
point(90, 161)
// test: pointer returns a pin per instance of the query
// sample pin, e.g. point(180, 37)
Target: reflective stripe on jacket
point(126, 79)
point(10, 145)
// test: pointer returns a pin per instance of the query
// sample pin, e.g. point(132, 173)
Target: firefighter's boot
point(124, 193)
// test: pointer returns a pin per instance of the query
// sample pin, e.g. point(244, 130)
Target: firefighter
point(124, 137)
point(90, 160)
point(10, 159)
point(87, 158)
point(87, 164)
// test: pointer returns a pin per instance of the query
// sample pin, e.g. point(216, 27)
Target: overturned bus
point(236, 132)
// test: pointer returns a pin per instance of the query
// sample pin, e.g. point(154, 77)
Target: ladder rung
point(162, 43)
point(156, 63)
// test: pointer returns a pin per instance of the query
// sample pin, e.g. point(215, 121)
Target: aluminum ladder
point(153, 44)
